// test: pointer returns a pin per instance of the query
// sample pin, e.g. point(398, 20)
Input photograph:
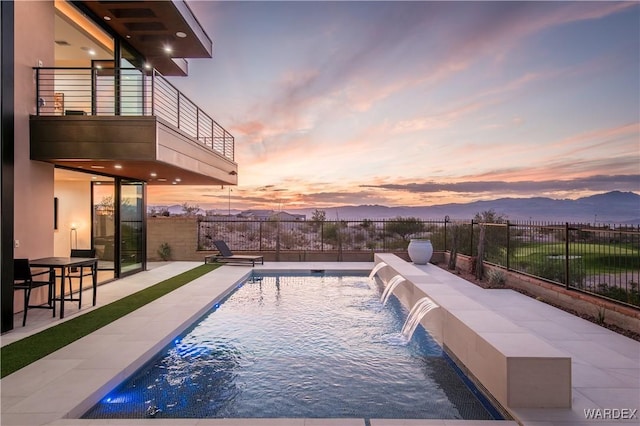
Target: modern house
point(89, 120)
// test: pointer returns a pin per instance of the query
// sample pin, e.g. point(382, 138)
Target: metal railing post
point(566, 255)
point(178, 111)
point(198, 124)
point(153, 92)
point(37, 92)
point(94, 89)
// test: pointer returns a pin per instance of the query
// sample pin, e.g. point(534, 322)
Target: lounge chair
point(225, 255)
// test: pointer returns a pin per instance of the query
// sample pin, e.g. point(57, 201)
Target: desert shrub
point(496, 278)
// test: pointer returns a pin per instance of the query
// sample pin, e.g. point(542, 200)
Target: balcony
point(97, 118)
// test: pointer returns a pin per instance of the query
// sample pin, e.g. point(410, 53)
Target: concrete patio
point(605, 366)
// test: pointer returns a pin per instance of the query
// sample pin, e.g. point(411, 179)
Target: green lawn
point(23, 352)
point(595, 258)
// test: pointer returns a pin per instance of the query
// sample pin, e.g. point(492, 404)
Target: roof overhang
point(151, 27)
point(142, 148)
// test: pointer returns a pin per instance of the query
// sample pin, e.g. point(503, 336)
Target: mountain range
point(612, 207)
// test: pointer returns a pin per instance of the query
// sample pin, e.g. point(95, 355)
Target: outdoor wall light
point(73, 236)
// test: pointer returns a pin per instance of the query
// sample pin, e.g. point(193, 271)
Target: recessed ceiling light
point(153, 174)
point(97, 167)
point(181, 34)
point(178, 180)
point(147, 66)
point(107, 18)
point(168, 49)
point(162, 180)
point(94, 177)
point(91, 52)
point(98, 183)
point(174, 183)
point(128, 36)
point(118, 166)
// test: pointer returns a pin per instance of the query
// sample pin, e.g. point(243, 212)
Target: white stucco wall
point(33, 205)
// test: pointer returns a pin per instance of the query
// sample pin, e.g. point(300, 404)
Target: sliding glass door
point(104, 226)
point(132, 227)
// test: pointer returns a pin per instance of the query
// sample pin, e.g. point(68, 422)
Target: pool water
point(313, 345)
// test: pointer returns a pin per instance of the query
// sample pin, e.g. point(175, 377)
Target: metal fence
point(127, 92)
point(603, 260)
point(292, 235)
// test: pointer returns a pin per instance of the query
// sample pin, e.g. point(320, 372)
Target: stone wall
point(181, 233)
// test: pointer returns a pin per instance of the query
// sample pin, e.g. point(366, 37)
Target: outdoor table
point(64, 264)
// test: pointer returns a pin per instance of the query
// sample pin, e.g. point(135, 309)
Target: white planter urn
point(420, 251)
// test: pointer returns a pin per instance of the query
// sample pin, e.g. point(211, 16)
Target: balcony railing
point(127, 92)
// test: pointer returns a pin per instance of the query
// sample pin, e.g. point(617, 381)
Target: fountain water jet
point(419, 310)
point(376, 269)
point(392, 284)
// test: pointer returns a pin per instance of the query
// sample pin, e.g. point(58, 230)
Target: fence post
point(508, 244)
point(322, 235)
point(471, 239)
point(384, 235)
point(566, 255)
point(446, 219)
point(260, 234)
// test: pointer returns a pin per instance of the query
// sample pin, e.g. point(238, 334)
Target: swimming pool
point(312, 345)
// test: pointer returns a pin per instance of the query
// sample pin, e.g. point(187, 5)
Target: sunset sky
point(418, 103)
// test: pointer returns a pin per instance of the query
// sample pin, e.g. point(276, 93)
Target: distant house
point(289, 216)
point(270, 215)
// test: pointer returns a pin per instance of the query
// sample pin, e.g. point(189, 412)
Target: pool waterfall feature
point(377, 268)
point(391, 285)
point(517, 369)
point(417, 313)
